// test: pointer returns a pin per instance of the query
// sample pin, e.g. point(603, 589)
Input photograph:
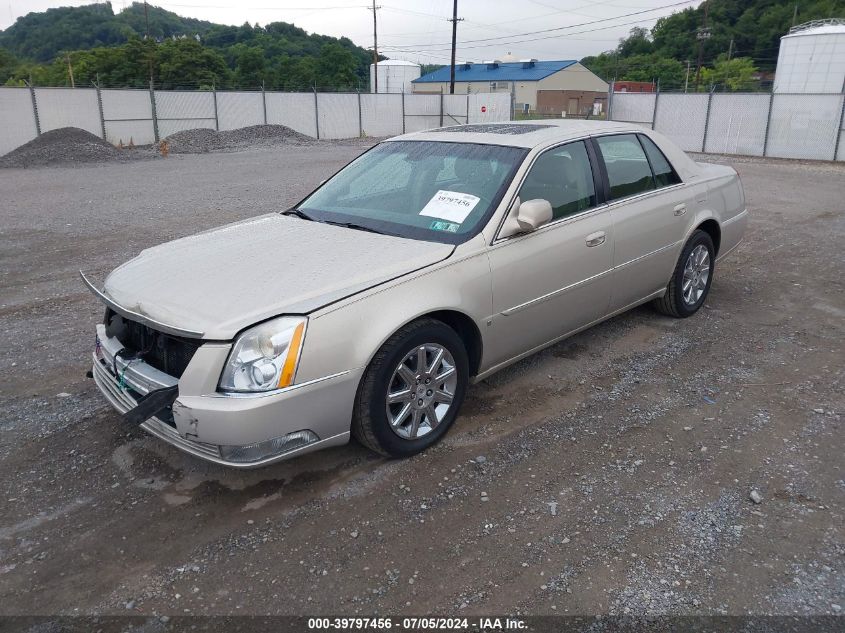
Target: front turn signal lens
point(292, 359)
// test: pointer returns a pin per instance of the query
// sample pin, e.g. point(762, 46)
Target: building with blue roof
point(546, 87)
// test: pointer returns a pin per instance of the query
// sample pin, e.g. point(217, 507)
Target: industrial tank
point(812, 58)
point(394, 75)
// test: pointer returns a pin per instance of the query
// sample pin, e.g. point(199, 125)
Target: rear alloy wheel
point(691, 278)
point(412, 390)
point(696, 275)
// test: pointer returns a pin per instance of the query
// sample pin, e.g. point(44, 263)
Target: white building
point(394, 75)
point(812, 58)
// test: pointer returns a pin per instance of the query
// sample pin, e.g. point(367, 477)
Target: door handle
point(596, 239)
point(680, 209)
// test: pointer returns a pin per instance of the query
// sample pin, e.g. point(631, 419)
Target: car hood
point(221, 281)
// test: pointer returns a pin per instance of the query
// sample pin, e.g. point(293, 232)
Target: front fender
point(346, 336)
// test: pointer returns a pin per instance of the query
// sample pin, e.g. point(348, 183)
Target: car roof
point(545, 132)
point(527, 134)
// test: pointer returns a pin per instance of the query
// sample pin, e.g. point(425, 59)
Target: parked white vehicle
point(429, 262)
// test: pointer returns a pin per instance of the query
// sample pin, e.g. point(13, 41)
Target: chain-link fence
point(145, 116)
point(806, 126)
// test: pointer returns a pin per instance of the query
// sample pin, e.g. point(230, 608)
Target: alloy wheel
point(421, 391)
point(696, 274)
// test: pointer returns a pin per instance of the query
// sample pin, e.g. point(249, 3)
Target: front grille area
point(161, 426)
point(167, 353)
point(124, 398)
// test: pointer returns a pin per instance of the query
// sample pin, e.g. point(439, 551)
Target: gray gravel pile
point(63, 145)
point(202, 140)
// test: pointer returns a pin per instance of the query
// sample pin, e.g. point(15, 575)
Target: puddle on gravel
point(343, 471)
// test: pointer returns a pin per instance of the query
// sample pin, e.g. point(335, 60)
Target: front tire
point(412, 390)
point(691, 279)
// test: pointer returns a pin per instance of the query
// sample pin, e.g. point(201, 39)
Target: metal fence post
point(264, 101)
point(360, 116)
point(654, 111)
point(441, 106)
point(707, 117)
point(513, 102)
point(34, 108)
point(768, 123)
point(403, 111)
point(317, 111)
point(214, 98)
point(100, 107)
point(153, 106)
point(839, 128)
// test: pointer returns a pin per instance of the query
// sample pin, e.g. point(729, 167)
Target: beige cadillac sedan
point(428, 263)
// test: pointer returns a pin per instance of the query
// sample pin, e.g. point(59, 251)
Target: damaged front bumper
point(238, 431)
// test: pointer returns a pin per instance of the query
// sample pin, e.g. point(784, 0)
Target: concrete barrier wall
point(144, 116)
point(804, 126)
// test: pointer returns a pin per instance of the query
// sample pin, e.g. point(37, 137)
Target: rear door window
point(628, 171)
point(664, 175)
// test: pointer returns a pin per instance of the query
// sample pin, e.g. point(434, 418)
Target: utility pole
point(731, 49)
point(795, 14)
point(686, 80)
point(703, 34)
point(70, 70)
point(375, 46)
point(147, 36)
point(455, 19)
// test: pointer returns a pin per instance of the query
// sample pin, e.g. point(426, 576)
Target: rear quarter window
point(664, 174)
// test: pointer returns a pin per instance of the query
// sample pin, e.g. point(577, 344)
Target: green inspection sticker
point(449, 227)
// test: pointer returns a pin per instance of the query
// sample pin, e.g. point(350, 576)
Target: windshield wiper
point(347, 225)
point(357, 227)
point(298, 213)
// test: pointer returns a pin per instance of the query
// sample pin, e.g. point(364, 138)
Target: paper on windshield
point(450, 205)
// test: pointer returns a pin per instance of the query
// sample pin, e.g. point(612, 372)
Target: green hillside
point(42, 36)
point(755, 26)
point(93, 41)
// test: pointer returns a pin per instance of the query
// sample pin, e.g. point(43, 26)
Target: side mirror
point(533, 214)
point(527, 216)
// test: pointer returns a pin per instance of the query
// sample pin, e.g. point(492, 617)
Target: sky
point(419, 30)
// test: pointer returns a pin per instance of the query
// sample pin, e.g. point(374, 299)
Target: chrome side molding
point(135, 316)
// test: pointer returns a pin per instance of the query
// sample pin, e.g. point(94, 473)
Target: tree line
point(81, 45)
point(739, 40)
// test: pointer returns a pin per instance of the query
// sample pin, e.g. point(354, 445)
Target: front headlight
point(265, 357)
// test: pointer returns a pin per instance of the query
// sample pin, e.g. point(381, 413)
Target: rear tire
point(401, 406)
point(691, 279)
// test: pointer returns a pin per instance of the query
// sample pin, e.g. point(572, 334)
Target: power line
point(219, 6)
point(550, 37)
point(560, 28)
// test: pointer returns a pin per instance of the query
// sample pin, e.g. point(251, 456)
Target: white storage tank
point(812, 58)
point(394, 75)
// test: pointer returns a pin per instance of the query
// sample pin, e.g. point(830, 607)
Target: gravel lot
point(611, 473)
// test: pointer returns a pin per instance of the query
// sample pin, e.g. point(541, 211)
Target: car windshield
point(427, 190)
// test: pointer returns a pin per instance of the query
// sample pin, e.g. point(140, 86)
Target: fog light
point(269, 448)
